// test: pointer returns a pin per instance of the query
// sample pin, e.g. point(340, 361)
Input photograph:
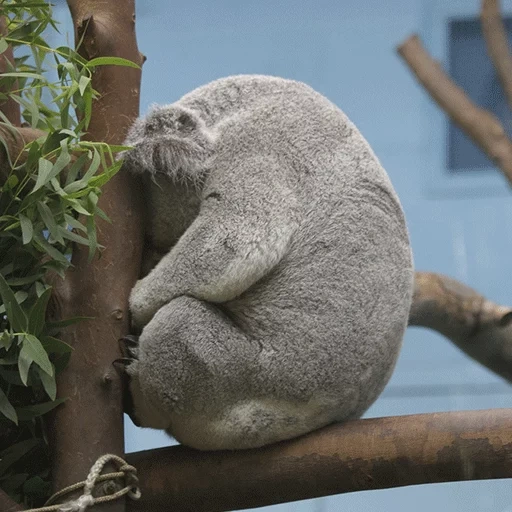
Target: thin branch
point(378, 453)
point(479, 327)
point(8, 107)
point(7, 504)
point(481, 126)
point(497, 44)
point(90, 423)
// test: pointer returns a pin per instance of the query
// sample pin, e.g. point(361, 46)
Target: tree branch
point(377, 453)
point(90, 423)
point(479, 327)
point(497, 44)
point(481, 126)
point(8, 107)
point(9, 505)
point(15, 140)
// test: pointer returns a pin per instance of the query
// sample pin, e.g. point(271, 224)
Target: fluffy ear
point(187, 121)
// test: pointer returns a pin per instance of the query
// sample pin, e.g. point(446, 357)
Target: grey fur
point(281, 300)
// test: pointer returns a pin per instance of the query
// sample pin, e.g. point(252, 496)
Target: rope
point(129, 473)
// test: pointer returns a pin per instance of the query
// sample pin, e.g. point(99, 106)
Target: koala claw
point(129, 345)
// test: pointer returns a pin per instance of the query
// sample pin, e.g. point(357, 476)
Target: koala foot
point(129, 346)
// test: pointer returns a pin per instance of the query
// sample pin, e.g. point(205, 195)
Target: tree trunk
point(90, 423)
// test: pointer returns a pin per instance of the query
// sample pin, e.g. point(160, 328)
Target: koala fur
point(284, 280)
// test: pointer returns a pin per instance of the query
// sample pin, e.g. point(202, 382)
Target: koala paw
point(142, 308)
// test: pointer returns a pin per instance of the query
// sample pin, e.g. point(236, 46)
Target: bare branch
point(481, 126)
point(479, 327)
point(9, 505)
point(90, 424)
point(378, 453)
point(497, 44)
point(8, 107)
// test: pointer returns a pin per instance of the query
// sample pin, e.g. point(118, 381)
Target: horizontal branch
point(480, 125)
point(15, 139)
point(496, 40)
point(479, 327)
point(359, 455)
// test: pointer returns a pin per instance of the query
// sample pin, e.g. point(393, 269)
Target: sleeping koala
point(284, 280)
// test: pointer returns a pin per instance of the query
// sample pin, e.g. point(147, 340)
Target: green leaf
point(33, 411)
point(107, 61)
point(6, 408)
point(27, 230)
point(15, 452)
point(21, 281)
point(32, 351)
point(51, 251)
point(43, 173)
point(3, 45)
point(75, 169)
point(15, 313)
point(37, 316)
point(74, 237)
point(49, 221)
point(20, 297)
point(83, 83)
point(18, 74)
point(74, 223)
point(6, 340)
point(96, 159)
point(49, 384)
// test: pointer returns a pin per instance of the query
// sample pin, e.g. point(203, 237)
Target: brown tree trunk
point(90, 423)
point(8, 107)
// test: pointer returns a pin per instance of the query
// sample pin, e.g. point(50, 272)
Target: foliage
point(47, 204)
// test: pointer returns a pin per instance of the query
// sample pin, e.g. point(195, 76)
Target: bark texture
point(479, 327)
point(8, 107)
point(360, 455)
point(90, 423)
point(7, 504)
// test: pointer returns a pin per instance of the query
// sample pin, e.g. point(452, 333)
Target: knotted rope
point(125, 471)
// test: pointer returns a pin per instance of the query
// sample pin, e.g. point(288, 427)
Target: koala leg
point(246, 221)
point(197, 376)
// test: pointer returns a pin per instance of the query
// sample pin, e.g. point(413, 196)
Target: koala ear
point(186, 121)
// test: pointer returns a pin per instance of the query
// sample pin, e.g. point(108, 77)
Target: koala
point(278, 274)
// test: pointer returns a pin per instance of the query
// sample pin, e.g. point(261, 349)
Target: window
point(470, 67)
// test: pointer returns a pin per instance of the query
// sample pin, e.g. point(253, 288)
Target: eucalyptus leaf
point(6, 408)
point(15, 314)
point(43, 174)
point(107, 61)
point(49, 221)
point(49, 384)
point(6, 340)
point(33, 411)
point(33, 352)
point(27, 229)
point(15, 452)
point(37, 316)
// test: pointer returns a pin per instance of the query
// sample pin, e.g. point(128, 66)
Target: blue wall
point(458, 224)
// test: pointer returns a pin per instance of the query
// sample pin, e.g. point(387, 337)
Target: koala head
point(172, 140)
